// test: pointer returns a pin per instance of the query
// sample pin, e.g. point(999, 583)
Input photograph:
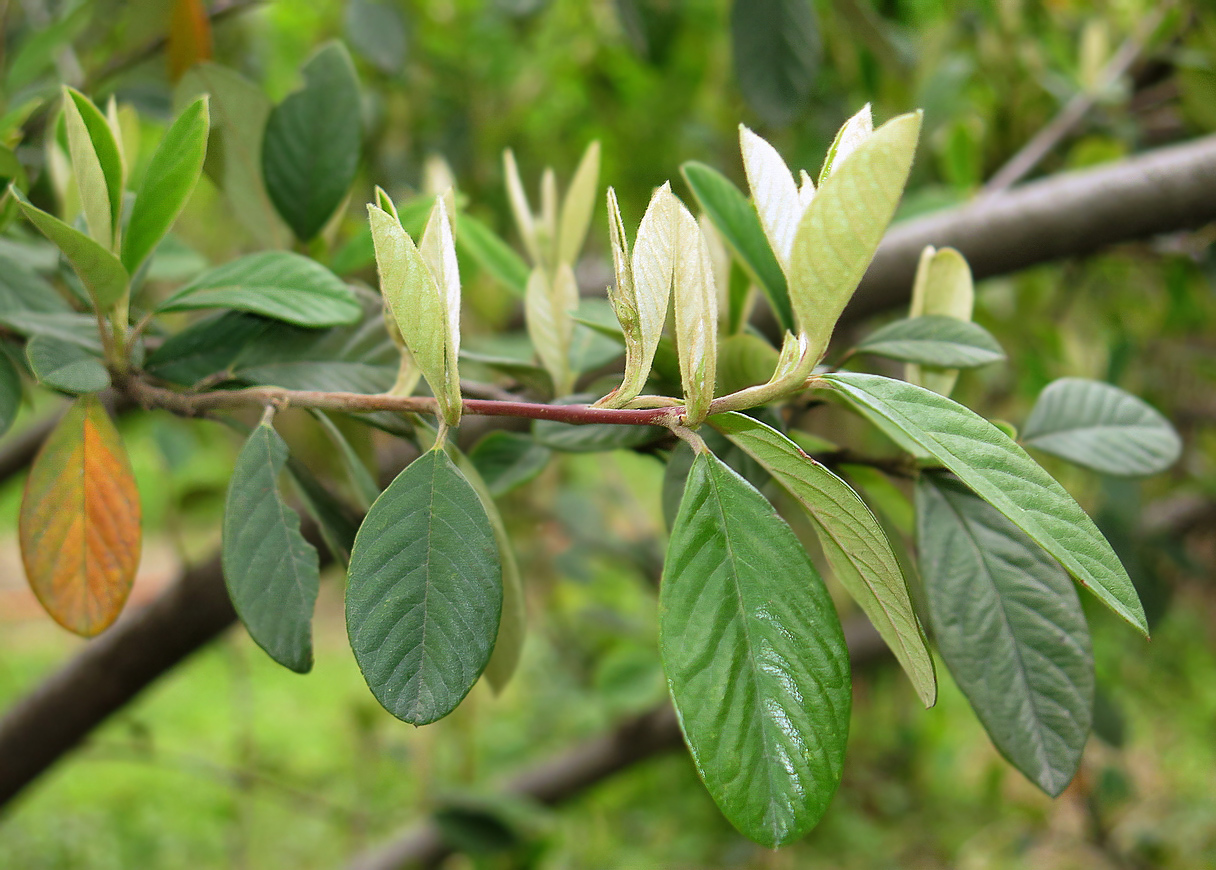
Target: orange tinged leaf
point(79, 526)
point(189, 37)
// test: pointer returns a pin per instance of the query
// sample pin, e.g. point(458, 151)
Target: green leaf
point(744, 360)
point(97, 164)
point(944, 287)
point(1100, 426)
point(578, 206)
point(65, 365)
point(364, 485)
point(99, 270)
point(506, 460)
point(168, 182)
point(336, 520)
point(491, 253)
point(736, 220)
point(376, 29)
point(548, 305)
point(78, 329)
point(272, 573)
point(1002, 474)
point(424, 595)
point(853, 541)
point(776, 51)
point(10, 393)
point(311, 147)
point(1010, 627)
point(755, 658)
point(593, 437)
point(276, 284)
point(934, 340)
point(22, 289)
point(848, 217)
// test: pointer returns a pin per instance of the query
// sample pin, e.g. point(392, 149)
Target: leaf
point(695, 302)
point(578, 205)
point(506, 460)
point(22, 289)
point(943, 286)
point(593, 437)
point(1100, 426)
point(1002, 474)
point(1010, 627)
point(276, 284)
point(934, 340)
point(376, 29)
point(424, 595)
point(364, 485)
point(78, 329)
point(65, 365)
point(848, 217)
point(438, 250)
point(79, 526)
point(189, 39)
point(852, 539)
point(776, 52)
point(548, 304)
point(336, 521)
point(311, 146)
point(100, 271)
point(97, 164)
point(491, 253)
point(774, 193)
point(521, 210)
point(755, 658)
point(850, 136)
point(10, 393)
point(736, 220)
point(272, 573)
point(168, 182)
point(744, 360)
point(650, 274)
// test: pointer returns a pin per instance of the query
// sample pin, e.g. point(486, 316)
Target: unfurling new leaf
point(696, 316)
point(943, 288)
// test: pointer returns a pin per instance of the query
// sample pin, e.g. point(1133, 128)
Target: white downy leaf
point(773, 191)
point(855, 131)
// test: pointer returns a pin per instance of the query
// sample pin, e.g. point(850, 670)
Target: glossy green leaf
point(776, 50)
point(853, 541)
point(97, 164)
point(10, 393)
point(736, 220)
point(272, 573)
point(1100, 426)
point(506, 460)
point(755, 658)
point(277, 284)
point(1002, 474)
point(491, 253)
point(311, 147)
point(65, 365)
point(168, 182)
point(1010, 627)
point(424, 594)
point(934, 340)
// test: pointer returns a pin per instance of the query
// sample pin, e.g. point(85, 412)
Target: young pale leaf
point(773, 192)
point(943, 287)
point(1002, 474)
point(736, 220)
point(424, 595)
point(934, 340)
point(438, 251)
point(491, 253)
point(272, 573)
point(548, 304)
point(277, 284)
point(520, 208)
point(79, 526)
point(100, 271)
point(848, 217)
point(65, 365)
point(1100, 426)
point(96, 163)
point(853, 541)
point(776, 51)
point(1010, 627)
point(578, 206)
point(168, 182)
point(311, 147)
point(696, 316)
point(755, 658)
point(854, 131)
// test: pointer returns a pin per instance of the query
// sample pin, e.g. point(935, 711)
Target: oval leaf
point(1010, 627)
point(934, 340)
point(1002, 474)
point(65, 365)
point(276, 284)
point(424, 595)
point(272, 573)
point(852, 539)
point(79, 526)
point(754, 656)
point(1100, 426)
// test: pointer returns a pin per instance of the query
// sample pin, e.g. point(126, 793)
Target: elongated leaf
point(491, 253)
point(853, 541)
point(79, 525)
point(578, 205)
point(736, 220)
point(1100, 426)
point(1010, 627)
point(847, 218)
point(755, 658)
point(424, 596)
point(168, 182)
point(548, 305)
point(438, 251)
point(100, 271)
point(97, 164)
point(774, 193)
point(695, 301)
point(364, 485)
point(506, 460)
point(944, 287)
point(776, 50)
point(276, 284)
point(377, 31)
point(272, 573)
point(10, 393)
point(934, 341)
point(65, 365)
point(78, 329)
point(594, 437)
point(311, 147)
point(1002, 474)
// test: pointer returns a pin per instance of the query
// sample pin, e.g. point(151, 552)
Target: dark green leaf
point(1010, 627)
point(1100, 426)
point(593, 438)
point(491, 253)
point(1002, 474)
point(776, 48)
point(10, 393)
point(755, 658)
point(65, 365)
point(675, 477)
point(21, 289)
point(206, 347)
point(376, 29)
point(272, 573)
point(276, 284)
point(424, 595)
point(337, 521)
point(506, 460)
point(933, 340)
point(739, 225)
point(364, 485)
point(312, 142)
